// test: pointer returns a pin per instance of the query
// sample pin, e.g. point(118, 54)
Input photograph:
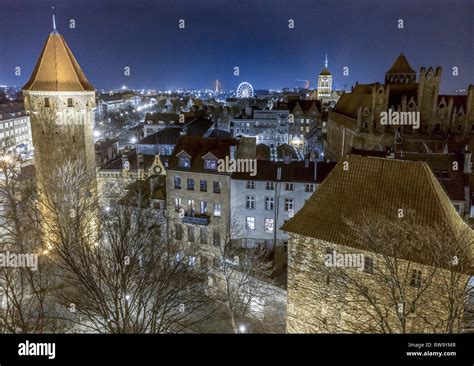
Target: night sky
point(250, 34)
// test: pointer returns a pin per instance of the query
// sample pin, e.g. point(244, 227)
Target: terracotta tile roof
point(401, 66)
point(377, 186)
point(57, 69)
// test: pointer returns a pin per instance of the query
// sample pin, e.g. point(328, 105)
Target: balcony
point(196, 219)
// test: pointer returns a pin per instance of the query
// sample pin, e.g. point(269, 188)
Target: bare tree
point(119, 272)
point(415, 278)
point(26, 287)
point(243, 282)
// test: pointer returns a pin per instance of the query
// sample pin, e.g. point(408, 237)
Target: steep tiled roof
point(167, 136)
point(263, 151)
point(57, 69)
point(198, 147)
point(325, 71)
point(198, 127)
point(401, 66)
point(348, 103)
point(377, 186)
point(133, 160)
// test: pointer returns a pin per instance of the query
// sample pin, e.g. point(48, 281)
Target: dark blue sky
point(250, 34)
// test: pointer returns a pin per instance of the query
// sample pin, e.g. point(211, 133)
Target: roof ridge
point(70, 55)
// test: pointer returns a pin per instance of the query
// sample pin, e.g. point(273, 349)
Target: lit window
point(269, 225)
point(177, 203)
point(250, 225)
point(210, 164)
point(217, 209)
point(203, 208)
point(184, 162)
point(191, 207)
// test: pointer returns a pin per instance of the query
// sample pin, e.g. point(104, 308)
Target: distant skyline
point(250, 34)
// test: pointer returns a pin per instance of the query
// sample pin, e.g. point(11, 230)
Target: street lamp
point(242, 328)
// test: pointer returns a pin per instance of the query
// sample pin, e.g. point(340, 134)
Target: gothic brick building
point(355, 120)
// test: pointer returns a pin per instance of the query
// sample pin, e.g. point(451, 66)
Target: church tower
point(400, 72)
point(60, 102)
point(325, 82)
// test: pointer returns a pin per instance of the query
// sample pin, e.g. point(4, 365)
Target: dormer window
point(184, 162)
point(210, 164)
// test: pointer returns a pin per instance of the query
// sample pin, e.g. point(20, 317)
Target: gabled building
point(355, 121)
point(260, 204)
point(198, 195)
point(380, 188)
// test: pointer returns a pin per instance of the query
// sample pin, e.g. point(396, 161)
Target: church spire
point(326, 61)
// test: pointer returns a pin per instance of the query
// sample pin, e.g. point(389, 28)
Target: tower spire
point(54, 21)
point(326, 61)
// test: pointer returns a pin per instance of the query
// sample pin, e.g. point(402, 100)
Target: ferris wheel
point(245, 90)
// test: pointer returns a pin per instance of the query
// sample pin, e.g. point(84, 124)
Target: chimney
point(279, 173)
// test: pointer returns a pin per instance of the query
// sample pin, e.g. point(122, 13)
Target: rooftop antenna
point(326, 61)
